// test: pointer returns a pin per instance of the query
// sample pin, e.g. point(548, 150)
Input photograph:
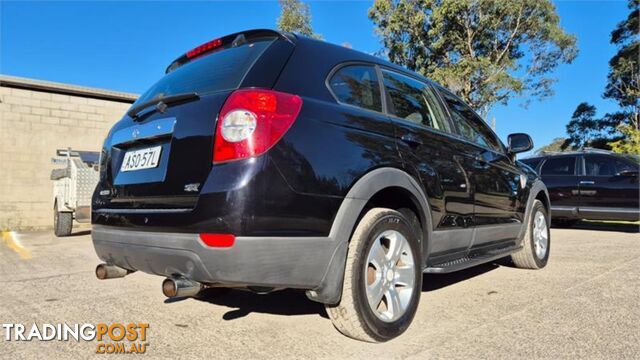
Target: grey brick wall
point(33, 124)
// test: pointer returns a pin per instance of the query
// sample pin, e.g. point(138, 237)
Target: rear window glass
point(357, 85)
point(559, 166)
point(414, 101)
point(220, 70)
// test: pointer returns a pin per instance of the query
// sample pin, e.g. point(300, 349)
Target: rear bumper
point(294, 262)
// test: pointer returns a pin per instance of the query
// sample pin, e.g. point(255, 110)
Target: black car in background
point(590, 184)
point(265, 160)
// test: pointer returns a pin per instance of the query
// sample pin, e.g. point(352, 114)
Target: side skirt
point(471, 260)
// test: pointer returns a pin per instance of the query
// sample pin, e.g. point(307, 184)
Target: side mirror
point(519, 142)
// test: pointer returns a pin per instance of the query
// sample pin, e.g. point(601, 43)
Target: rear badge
point(191, 187)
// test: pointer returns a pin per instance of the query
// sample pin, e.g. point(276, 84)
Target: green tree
point(630, 141)
point(615, 129)
point(487, 51)
point(295, 16)
point(554, 146)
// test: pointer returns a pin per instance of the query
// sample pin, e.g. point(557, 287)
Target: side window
point(414, 101)
point(533, 163)
point(559, 166)
point(599, 166)
point(625, 166)
point(602, 165)
point(470, 125)
point(357, 85)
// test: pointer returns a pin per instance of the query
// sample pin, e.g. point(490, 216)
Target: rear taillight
point(252, 121)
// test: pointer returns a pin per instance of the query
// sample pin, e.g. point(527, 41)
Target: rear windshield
point(220, 70)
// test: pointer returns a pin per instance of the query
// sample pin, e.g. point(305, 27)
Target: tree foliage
point(487, 51)
point(295, 16)
point(615, 129)
point(630, 141)
point(554, 146)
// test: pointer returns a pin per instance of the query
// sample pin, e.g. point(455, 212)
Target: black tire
point(526, 257)
point(353, 316)
point(62, 223)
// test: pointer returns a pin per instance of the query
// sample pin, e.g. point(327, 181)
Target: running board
point(467, 262)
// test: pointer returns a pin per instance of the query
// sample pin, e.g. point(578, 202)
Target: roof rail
point(603, 151)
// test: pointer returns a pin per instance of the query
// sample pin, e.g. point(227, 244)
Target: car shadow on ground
point(605, 226)
point(80, 233)
point(432, 282)
point(286, 302)
point(295, 302)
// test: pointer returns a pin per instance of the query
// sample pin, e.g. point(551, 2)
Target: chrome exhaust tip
point(177, 286)
point(106, 271)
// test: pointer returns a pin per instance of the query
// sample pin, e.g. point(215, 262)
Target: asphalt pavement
point(584, 304)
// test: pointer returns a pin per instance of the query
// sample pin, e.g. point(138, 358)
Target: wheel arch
point(385, 187)
point(538, 192)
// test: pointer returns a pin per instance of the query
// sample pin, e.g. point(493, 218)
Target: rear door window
point(357, 85)
point(414, 101)
point(559, 166)
point(220, 70)
point(471, 126)
point(602, 165)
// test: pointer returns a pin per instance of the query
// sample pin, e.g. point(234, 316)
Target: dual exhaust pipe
point(178, 286)
point(173, 286)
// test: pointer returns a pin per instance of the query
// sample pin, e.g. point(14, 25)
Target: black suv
point(590, 184)
point(263, 160)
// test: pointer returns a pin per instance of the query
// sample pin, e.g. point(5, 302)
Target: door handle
point(411, 139)
point(587, 182)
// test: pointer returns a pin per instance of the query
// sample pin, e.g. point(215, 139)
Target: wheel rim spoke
point(393, 303)
point(395, 246)
point(377, 255)
point(405, 276)
point(375, 292)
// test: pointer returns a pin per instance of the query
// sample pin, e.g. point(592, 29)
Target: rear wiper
point(162, 103)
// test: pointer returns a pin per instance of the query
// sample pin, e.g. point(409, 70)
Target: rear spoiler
point(230, 40)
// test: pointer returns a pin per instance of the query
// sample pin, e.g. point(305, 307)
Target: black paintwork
point(296, 188)
point(585, 196)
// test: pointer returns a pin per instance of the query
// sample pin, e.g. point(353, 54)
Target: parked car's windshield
point(220, 70)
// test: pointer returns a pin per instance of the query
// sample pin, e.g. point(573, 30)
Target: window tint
point(357, 85)
point(220, 70)
point(625, 166)
point(470, 125)
point(414, 101)
point(533, 163)
point(559, 166)
point(602, 165)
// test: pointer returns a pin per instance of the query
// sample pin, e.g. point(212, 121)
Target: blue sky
point(126, 46)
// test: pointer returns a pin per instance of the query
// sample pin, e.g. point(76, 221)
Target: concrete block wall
point(33, 124)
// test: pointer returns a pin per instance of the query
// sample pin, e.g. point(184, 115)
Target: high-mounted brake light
point(218, 240)
point(252, 121)
point(208, 46)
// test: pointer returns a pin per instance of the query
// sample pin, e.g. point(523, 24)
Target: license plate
point(141, 159)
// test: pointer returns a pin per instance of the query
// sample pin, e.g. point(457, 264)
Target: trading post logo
point(115, 338)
